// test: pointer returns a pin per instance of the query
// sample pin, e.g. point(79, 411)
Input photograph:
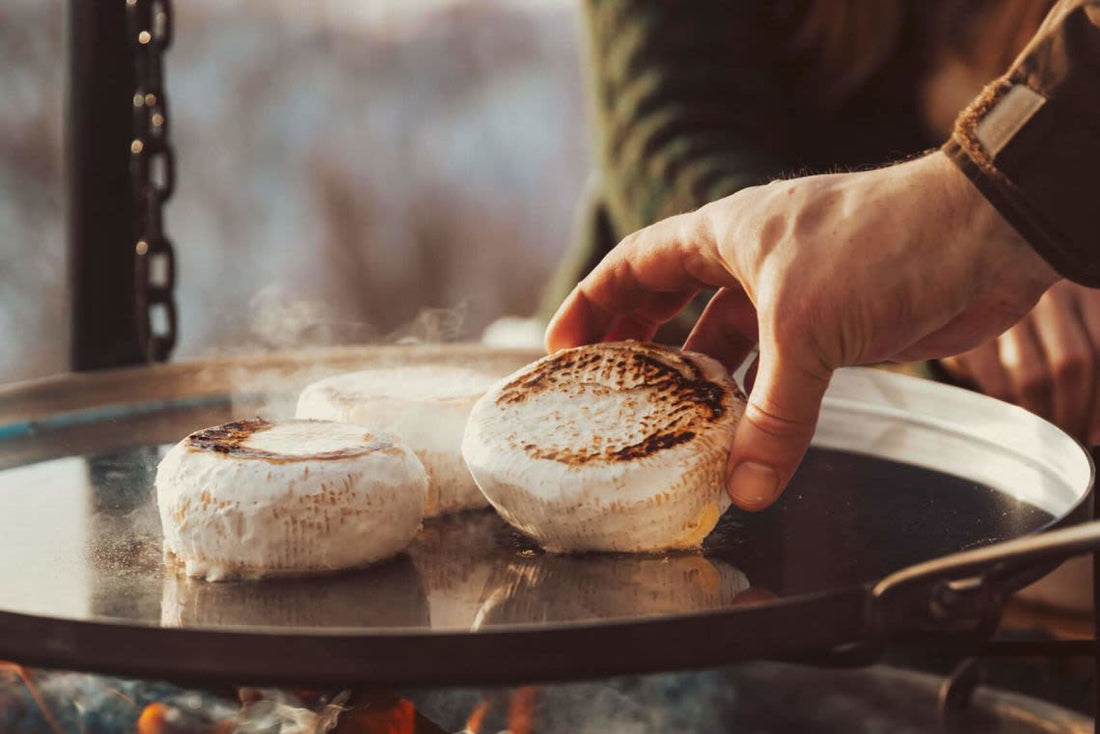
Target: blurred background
point(349, 171)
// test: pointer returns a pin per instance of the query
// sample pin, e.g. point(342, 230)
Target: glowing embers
point(520, 706)
point(51, 702)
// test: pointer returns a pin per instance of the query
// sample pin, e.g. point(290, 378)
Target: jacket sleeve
point(1031, 141)
point(687, 107)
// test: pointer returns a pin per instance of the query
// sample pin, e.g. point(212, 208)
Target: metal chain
point(153, 173)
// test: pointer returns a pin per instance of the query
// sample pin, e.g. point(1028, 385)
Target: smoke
point(36, 701)
point(654, 704)
point(272, 710)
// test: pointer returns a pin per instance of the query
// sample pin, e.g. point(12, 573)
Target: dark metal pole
point(100, 199)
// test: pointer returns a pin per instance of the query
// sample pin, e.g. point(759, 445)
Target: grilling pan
point(918, 507)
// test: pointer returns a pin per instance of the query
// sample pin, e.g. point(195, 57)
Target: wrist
point(977, 221)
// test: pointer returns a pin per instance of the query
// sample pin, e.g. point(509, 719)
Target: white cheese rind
point(601, 402)
point(300, 498)
point(425, 406)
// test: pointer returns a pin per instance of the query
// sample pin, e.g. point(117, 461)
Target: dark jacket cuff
point(1042, 177)
point(1031, 141)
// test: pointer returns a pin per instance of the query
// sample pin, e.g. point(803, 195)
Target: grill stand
point(958, 690)
point(100, 207)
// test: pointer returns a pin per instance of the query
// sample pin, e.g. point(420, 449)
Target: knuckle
point(780, 187)
point(629, 241)
point(997, 391)
point(1034, 384)
point(1072, 366)
point(771, 422)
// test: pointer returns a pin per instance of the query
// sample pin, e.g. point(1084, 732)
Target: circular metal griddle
point(903, 474)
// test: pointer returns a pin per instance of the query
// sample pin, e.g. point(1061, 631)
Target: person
point(931, 257)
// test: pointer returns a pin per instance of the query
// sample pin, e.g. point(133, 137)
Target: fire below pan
point(917, 507)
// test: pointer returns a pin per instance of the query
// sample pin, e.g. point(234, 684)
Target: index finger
point(649, 276)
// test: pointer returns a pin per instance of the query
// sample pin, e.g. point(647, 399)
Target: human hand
point(1048, 362)
point(905, 262)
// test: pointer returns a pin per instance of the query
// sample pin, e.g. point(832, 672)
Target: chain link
point(153, 173)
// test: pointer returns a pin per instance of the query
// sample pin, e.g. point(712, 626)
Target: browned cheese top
point(613, 403)
point(304, 441)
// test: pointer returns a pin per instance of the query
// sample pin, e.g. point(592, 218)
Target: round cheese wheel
point(253, 499)
point(426, 406)
point(608, 447)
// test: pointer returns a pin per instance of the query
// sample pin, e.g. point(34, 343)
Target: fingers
point(957, 368)
point(634, 326)
point(987, 372)
point(982, 368)
point(1069, 357)
point(1025, 364)
point(643, 323)
point(727, 329)
point(776, 430)
point(647, 279)
point(1088, 309)
point(1046, 362)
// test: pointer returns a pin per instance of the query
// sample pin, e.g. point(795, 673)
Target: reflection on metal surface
point(479, 574)
point(85, 544)
point(535, 589)
point(31, 566)
point(456, 556)
point(388, 595)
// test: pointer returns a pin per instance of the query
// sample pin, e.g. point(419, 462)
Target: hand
point(905, 262)
point(1047, 363)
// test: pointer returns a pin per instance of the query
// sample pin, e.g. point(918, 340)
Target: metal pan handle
point(960, 592)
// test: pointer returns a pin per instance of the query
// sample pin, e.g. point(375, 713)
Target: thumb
point(776, 430)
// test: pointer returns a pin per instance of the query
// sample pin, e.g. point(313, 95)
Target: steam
point(433, 326)
point(279, 322)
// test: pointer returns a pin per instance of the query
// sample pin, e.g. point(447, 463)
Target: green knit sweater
point(693, 100)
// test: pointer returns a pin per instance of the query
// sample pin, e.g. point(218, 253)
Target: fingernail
point(753, 486)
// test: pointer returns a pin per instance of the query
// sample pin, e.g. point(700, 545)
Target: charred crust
point(675, 382)
point(229, 439)
point(653, 444)
point(519, 389)
point(226, 438)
